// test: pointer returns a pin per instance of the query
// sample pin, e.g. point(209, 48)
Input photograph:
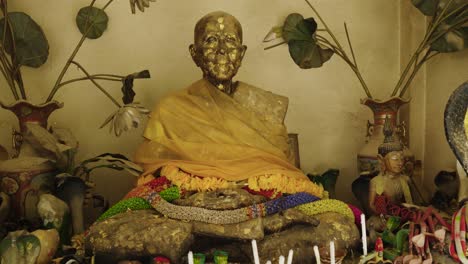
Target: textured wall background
point(324, 103)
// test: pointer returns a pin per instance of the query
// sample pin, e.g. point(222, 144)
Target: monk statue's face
point(218, 48)
point(393, 162)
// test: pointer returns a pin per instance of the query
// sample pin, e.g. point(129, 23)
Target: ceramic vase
point(367, 156)
point(25, 177)
point(368, 164)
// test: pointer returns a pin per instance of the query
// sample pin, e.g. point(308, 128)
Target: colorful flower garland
point(161, 192)
point(327, 205)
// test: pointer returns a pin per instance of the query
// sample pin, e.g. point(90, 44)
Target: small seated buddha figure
point(391, 186)
point(219, 133)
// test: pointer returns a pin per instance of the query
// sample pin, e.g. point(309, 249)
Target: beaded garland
point(157, 192)
point(228, 216)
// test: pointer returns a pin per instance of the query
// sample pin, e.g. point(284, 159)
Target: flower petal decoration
point(125, 118)
point(141, 4)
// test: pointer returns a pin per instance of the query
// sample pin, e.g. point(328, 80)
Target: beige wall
point(429, 93)
point(324, 103)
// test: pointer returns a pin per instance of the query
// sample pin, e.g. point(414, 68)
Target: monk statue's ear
point(244, 49)
point(193, 53)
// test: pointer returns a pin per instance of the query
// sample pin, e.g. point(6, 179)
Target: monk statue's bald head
point(218, 49)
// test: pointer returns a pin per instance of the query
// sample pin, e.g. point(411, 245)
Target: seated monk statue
point(391, 186)
point(219, 133)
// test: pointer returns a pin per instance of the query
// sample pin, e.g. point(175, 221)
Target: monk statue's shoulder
point(269, 106)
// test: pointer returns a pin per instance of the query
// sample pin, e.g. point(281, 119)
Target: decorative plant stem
point(97, 84)
point(72, 57)
point(415, 71)
point(338, 47)
point(349, 43)
point(109, 77)
point(6, 64)
point(425, 44)
point(65, 68)
point(276, 45)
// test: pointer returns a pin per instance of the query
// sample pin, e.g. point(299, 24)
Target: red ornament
point(161, 260)
point(379, 245)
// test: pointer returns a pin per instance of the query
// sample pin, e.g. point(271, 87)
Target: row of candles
point(316, 250)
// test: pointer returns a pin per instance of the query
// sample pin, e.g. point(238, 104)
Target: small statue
point(390, 187)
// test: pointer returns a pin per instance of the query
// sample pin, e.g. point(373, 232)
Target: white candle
point(317, 255)
point(332, 252)
point(364, 234)
point(268, 262)
point(290, 256)
point(255, 252)
point(190, 257)
point(281, 260)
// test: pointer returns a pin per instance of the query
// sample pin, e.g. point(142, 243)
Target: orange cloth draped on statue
point(201, 131)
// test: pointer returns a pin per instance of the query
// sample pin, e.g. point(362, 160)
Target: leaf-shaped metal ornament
point(454, 121)
point(427, 7)
point(31, 47)
point(110, 160)
point(65, 136)
point(308, 54)
point(42, 141)
point(297, 28)
point(303, 48)
point(92, 21)
point(453, 41)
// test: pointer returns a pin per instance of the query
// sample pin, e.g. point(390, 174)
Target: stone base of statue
point(145, 233)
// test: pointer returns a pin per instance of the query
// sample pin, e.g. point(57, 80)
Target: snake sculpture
point(457, 137)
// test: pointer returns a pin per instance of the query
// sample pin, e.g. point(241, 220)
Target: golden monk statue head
point(218, 49)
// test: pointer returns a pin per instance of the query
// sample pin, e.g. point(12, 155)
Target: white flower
point(127, 117)
point(141, 4)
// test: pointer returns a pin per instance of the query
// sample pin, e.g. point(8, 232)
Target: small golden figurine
point(391, 185)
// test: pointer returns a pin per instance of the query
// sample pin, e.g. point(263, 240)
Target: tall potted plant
point(310, 47)
point(24, 44)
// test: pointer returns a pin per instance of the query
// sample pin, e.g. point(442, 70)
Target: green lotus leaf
point(308, 54)
point(30, 43)
point(453, 41)
point(92, 22)
point(456, 8)
point(297, 28)
point(427, 7)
